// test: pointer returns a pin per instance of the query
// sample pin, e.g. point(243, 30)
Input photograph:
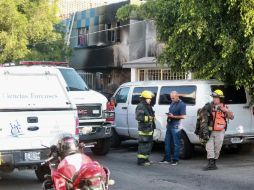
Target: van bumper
point(91, 132)
point(9, 160)
point(238, 139)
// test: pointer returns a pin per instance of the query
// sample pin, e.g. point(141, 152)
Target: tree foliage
point(126, 12)
point(26, 26)
point(212, 38)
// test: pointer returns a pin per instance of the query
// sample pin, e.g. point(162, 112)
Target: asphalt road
point(236, 172)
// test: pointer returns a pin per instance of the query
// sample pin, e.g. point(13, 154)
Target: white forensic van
point(195, 94)
point(91, 106)
point(34, 109)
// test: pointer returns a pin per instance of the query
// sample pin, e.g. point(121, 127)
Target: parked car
point(195, 94)
point(91, 106)
point(34, 108)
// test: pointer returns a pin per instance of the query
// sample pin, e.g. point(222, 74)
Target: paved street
point(236, 172)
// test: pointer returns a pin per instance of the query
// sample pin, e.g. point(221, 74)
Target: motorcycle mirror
point(44, 146)
point(53, 148)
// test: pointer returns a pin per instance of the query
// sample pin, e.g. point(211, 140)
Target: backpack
point(202, 130)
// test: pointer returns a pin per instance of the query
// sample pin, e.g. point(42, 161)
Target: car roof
point(171, 82)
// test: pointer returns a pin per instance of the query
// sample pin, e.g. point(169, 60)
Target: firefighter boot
point(141, 161)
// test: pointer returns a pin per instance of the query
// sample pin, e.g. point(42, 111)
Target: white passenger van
point(195, 94)
point(34, 109)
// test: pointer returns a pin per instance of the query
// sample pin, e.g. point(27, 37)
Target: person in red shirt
point(111, 104)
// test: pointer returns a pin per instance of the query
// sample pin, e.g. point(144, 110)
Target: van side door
point(135, 99)
point(187, 94)
point(121, 111)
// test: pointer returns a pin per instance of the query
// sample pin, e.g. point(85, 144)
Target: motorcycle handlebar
point(47, 160)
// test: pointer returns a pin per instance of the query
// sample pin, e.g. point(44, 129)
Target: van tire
point(102, 147)
point(115, 140)
point(41, 171)
point(186, 150)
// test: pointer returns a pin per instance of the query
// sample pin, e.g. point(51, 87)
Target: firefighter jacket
point(145, 117)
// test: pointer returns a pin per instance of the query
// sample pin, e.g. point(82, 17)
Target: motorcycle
point(73, 170)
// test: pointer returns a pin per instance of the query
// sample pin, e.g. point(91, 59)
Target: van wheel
point(41, 171)
point(115, 139)
point(102, 147)
point(186, 150)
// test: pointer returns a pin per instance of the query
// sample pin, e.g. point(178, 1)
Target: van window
point(187, 94)
point(122, 95)
point(138, 90)
point(73, 80)
point(232, 94)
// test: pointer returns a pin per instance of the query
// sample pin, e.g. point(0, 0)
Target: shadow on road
point(19, 179)
point(199, 151)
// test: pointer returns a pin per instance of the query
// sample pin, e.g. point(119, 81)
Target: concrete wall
point(143, 41)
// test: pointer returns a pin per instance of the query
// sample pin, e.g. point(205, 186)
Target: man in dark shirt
point(177, 111)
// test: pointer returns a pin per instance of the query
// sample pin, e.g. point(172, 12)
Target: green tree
point(50, 50)
point(212, 38)
point(27, 27)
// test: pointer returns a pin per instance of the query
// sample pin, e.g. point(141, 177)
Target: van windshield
point(73, 80)
point(32, 91)
point(232, 94)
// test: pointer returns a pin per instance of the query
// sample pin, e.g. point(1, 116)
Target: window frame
point(145, 74)
point(111, 33)
point(145, 88)
point(84, 35)
point(115, 96)
point(214, 87)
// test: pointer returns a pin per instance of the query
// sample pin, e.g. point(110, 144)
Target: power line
point(110, 29)
point(103, 47)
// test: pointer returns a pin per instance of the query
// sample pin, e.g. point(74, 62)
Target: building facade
point(116, 52)
point(100, 46)
point(68, 7)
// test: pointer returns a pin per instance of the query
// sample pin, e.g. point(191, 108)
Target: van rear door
point(34, 108)
point(238, 102)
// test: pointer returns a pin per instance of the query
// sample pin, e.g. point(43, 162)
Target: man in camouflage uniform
point(145, 118)
point(213, 124)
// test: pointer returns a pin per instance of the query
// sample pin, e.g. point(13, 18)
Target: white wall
point(134, 74)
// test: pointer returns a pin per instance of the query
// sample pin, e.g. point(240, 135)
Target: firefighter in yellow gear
point(145, 117)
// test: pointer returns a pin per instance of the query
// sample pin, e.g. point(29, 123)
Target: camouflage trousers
point(214, 145)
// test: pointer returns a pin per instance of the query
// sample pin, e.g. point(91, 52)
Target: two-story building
point(116, 52)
